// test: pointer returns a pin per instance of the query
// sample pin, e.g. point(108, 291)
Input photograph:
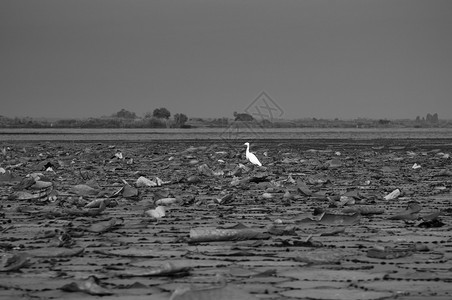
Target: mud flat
point(322, 219)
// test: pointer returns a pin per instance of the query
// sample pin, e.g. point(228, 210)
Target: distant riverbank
point(226, 134)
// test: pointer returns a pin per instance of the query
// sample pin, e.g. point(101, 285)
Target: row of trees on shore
point(162, 118)
point(159, 118)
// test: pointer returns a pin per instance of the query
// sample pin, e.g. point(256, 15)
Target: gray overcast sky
point(315, 58)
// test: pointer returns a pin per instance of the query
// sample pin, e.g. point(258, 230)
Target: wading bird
point(250, 156)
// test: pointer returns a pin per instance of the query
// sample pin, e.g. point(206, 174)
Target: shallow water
point(227, 134)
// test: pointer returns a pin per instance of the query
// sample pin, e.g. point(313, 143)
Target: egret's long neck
point(247, 149)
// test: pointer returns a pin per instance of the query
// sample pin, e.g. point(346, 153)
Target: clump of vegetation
point(161, 113)
point(125, 114)
point(244, 117)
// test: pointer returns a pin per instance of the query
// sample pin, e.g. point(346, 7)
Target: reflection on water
point(227, 134)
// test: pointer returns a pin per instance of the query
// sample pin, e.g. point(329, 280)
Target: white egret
point(250, 156)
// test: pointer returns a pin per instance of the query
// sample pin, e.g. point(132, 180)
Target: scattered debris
point(322, 218)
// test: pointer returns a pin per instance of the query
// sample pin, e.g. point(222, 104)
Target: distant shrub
point(154, 123)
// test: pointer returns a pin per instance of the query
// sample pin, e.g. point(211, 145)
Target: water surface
point(228, 134)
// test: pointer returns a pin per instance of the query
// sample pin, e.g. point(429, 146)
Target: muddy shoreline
point(141, 219)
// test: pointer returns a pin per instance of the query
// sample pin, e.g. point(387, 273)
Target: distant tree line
point(162, 118)
point(159, 118)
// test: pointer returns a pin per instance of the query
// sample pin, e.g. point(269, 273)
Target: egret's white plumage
point(250, 156)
